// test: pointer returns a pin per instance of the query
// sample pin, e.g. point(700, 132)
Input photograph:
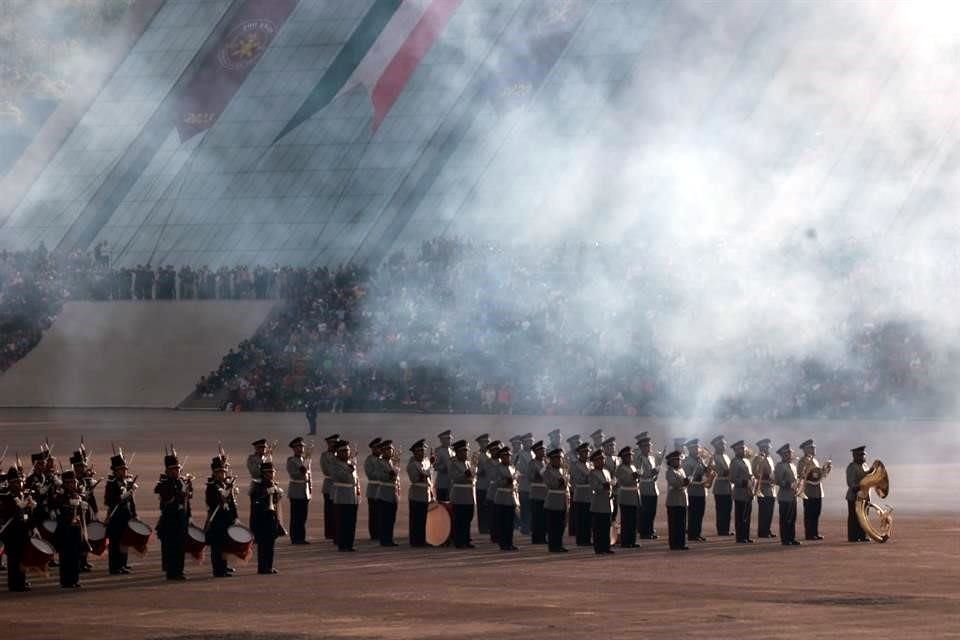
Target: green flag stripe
point(346, 62)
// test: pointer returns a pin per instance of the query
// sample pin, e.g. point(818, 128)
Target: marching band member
point(329, 512)
point(388, 494)
point(693, 468)
point(419, 472)
point(482, 481)
point(121, 509)
point(267, 497)
point(16, 507)
point(86, 482)
point(221, 514)
point(598, 437)
point(813, 475)
point(254, 462)
point(516, 449)
point(628, 498)
point(555, 439)
point(573, 443)
point(538, 494)
point(722, 489)
point(175, 492)
point(521, 462)
point(555, 506)
point(69, 537)
point(582, 495)
point(299, 491)
point(649, 467)
point(346, 497)
point(785, 477)
point(42, 485)
point(442, 465)
point(766, 488)
point(677, 483)
point(601, 504)
point(462, 496)
point(856, 471)
point(493, 469)
point(743, 481)
point(373, 471)
point(507, 502)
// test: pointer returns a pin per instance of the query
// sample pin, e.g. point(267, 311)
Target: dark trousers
point(172, 544)
point(266, 541)
point(312, 423)
point(16, 578)
point(524, 523)
point(648, 514)
point(743, 509)
point(505, 525)
point(116, 557)
point(329, 518)
point(555, 523)
point(298, 520)
point(600, 523)
point(572, 520)
point(723, 504)
point(581, 511)
point(628, 525)
point(346, 526)
point(494, 521)
point(443, 495)
point(418, 523)
point(698, 506)
point(811, 517)
point(483, 512)
point(788, 521)
point(538, 523)
point(462, 517)
point(855, 532)
point(765, 516)
point(676, 527)
point(217, 561)
point(68, 545)
point(373, 520)
point(386, 519)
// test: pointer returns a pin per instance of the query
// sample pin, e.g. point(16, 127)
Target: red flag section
point(227, 65)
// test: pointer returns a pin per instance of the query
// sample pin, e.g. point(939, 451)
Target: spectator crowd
point(465, 327)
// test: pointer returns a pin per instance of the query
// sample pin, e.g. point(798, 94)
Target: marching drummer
point(419, 471)
point(266, 497)
point(16, 509)
point(388, 494)
point(121, 509)
point(175, 491)
point(221, 515)
point(71, 528)
point(86, 481)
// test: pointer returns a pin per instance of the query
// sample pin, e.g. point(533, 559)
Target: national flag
point(381, 55)
point(227, 65)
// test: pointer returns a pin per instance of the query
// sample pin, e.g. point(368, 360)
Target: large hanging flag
point(227, 65)
point(381, 55)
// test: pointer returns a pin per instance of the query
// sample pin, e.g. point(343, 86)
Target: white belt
point(537, 484)
point(510, 489)
point(582, 486)
point(813, 482)
point(344, 484)
point(371, 483)
point(561, 491)
point(458, 484)
point(628, 488)
point(648, 480)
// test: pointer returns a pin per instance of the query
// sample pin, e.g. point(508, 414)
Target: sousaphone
point(867, 511)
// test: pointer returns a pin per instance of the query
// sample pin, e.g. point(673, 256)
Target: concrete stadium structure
point(611, 74)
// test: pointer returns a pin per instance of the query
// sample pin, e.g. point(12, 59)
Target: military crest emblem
point(245, 44)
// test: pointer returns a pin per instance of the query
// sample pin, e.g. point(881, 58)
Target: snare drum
point(48, 530)
point(439, 523)
point(97, 537)
point(37, 555)
point(195, 542)
point(136, 536)
point(239, 542)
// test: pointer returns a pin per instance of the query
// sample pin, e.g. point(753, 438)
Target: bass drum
point(439, 523)
point(97, 537)
point(239, 542)
point(196, 542)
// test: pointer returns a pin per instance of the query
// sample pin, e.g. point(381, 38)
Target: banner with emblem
point(225, 68)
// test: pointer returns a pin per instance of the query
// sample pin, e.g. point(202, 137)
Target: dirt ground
point(906, 588)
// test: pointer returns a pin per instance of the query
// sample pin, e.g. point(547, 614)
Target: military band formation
point(599, 496)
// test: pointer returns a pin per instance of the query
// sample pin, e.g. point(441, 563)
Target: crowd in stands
point(463, 327)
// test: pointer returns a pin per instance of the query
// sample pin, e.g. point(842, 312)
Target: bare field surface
point(906, 588)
